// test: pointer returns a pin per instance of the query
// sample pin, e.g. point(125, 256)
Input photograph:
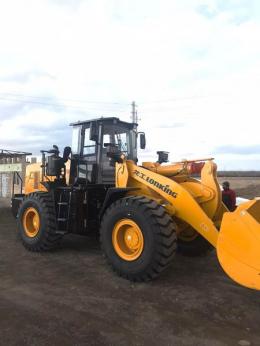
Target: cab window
point(89, 147)
point(76, 136)
point(118, 136)
point(122, 140)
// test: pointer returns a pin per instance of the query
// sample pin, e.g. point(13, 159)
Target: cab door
point(117, 136)
point(88, 163)
point(107, 167)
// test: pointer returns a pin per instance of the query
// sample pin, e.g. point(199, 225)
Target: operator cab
point(91, 141)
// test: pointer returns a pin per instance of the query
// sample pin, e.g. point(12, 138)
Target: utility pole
point(134, 113)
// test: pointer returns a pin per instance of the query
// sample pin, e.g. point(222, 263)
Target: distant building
point(12, 171)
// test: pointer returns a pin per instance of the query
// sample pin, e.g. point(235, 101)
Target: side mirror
point(66, 153)
point(93, 131)
point(142, 140)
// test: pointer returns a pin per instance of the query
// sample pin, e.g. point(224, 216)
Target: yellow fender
point(180, 202)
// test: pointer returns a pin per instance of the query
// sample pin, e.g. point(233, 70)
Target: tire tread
point(165, 234)
point(49, 240)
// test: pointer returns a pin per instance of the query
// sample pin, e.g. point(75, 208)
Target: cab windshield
point(123, 138)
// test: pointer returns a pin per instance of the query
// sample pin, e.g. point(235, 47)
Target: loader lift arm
point(235, 235)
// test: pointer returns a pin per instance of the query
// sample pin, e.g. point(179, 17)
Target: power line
point(57, 105)
point(66, 100)
point(173, 99)
point(88, 102)
point(16, 97)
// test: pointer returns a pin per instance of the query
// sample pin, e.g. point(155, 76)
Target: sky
point(192, 67)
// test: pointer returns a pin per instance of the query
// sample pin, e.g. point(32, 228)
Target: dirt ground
point(246, 187)
point(71, 297)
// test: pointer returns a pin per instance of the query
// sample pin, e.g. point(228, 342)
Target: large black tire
point(199, 246)
point(46, 238)
point(158, 231)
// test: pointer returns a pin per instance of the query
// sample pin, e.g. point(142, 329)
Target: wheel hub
point(132, 239)
point(127, 238)
point(31, 222)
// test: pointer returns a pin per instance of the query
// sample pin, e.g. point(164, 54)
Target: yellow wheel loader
point(142, 212)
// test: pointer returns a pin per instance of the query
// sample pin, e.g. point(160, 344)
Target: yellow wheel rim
point(128, 240)
point(31, 222)
point(188, 234)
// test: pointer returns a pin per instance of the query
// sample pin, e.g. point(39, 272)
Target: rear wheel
point(191, 243)
point(37, 222)
point(138, 238)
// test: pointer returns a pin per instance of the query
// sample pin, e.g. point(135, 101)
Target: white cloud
point(203, 54)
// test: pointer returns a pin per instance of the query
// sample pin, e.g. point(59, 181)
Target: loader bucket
point(238, 245)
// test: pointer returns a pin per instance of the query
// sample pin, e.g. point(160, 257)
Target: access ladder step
point(61, 219)
point(61, 232)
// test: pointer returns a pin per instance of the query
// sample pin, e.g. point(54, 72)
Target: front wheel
point(37, 222)
point(138, 238)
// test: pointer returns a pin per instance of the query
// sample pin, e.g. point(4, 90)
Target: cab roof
point(105, 120)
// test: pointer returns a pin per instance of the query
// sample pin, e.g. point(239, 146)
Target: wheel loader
point(143, 213)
